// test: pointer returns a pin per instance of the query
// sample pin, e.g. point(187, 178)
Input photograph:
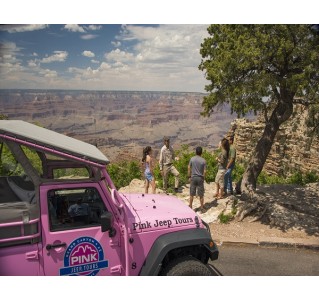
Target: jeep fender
point(174, 240)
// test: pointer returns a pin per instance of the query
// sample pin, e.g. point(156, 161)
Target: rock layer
point(294, 148)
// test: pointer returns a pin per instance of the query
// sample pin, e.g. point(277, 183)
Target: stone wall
point(293, 149)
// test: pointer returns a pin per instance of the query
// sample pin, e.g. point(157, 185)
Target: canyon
point(120, 123)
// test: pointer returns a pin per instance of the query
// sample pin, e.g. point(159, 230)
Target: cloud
point(118, 55)
point(59, 56)
point(116, 44)
point(88, 53)
point(74, 28)
point(32, 64)
point(93, 27)
point(83, 29)
point(89, 36)
point(159, 57)
point(164, 57)
point(22, 28)
point(48, 73)
point(8, 58)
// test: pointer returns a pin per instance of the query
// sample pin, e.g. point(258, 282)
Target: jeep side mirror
point(107, 223)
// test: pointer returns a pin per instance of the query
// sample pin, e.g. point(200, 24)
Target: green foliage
point(123, 173)
point(310, 177)
point(246, 64)
point(225, 218)
point(34, 158)
point(296, 178)
point(8, 164)
point(238, 172)
point(10, 167)
point(264, 178)
point(71, 172)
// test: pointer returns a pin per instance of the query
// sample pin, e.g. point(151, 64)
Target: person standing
point(167, 157)
point(196, 175)
point(222, 160)
point(149, 177)
point(228, 181)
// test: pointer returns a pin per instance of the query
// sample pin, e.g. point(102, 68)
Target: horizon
point(83, 90)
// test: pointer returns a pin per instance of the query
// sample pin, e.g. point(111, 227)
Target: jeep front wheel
point(186, 266)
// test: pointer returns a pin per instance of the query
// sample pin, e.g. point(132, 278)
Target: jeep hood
point(151, 212)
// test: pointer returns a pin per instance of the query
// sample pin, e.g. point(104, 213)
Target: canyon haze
point(121, 123)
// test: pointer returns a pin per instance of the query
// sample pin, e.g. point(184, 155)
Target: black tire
point(186, 266)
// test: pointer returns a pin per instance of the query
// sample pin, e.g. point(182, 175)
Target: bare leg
point(153, 184)
point(201, 200)
point(217, 190)
point(146, 186)
point(191, 201)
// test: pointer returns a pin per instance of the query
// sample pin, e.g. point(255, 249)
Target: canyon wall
point(294, 148)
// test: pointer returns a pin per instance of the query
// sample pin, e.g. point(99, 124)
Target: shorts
point(220, 177)
point(148, 176)
point(197, 184)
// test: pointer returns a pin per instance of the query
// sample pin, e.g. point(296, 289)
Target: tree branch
point(304, 102)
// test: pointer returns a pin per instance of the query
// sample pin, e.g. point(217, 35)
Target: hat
point(166, 138)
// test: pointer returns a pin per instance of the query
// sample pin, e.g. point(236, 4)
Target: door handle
point(49, 246)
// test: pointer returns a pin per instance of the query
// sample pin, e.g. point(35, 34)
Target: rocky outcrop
point(294, 148)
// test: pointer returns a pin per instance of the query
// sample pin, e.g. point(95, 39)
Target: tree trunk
point(281, 113)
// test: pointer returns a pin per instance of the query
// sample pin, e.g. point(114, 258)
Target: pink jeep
point(53, 222)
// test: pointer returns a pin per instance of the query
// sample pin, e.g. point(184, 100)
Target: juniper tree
point(261, 69)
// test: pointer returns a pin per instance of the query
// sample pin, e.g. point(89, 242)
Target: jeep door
point(73, 243)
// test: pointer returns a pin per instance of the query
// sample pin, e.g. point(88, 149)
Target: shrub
point(296, 178)
point(123, 173)
point(264, 178)
point(310, 177)
point(225, 218)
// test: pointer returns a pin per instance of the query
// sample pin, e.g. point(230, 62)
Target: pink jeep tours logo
point(84, 256)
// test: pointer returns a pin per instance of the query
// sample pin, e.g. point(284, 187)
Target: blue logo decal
point(84, 256)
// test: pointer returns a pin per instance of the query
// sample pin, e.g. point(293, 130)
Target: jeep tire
point(186, 266)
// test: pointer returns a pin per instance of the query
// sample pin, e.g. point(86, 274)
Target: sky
point(102, 57)
point(85, 45)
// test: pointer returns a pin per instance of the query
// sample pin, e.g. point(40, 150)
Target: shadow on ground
point(291, 207)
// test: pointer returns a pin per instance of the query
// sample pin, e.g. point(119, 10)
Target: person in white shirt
point(167, 157)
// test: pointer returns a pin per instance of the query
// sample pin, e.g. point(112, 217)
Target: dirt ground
point(254, 231)
point(291, 212)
